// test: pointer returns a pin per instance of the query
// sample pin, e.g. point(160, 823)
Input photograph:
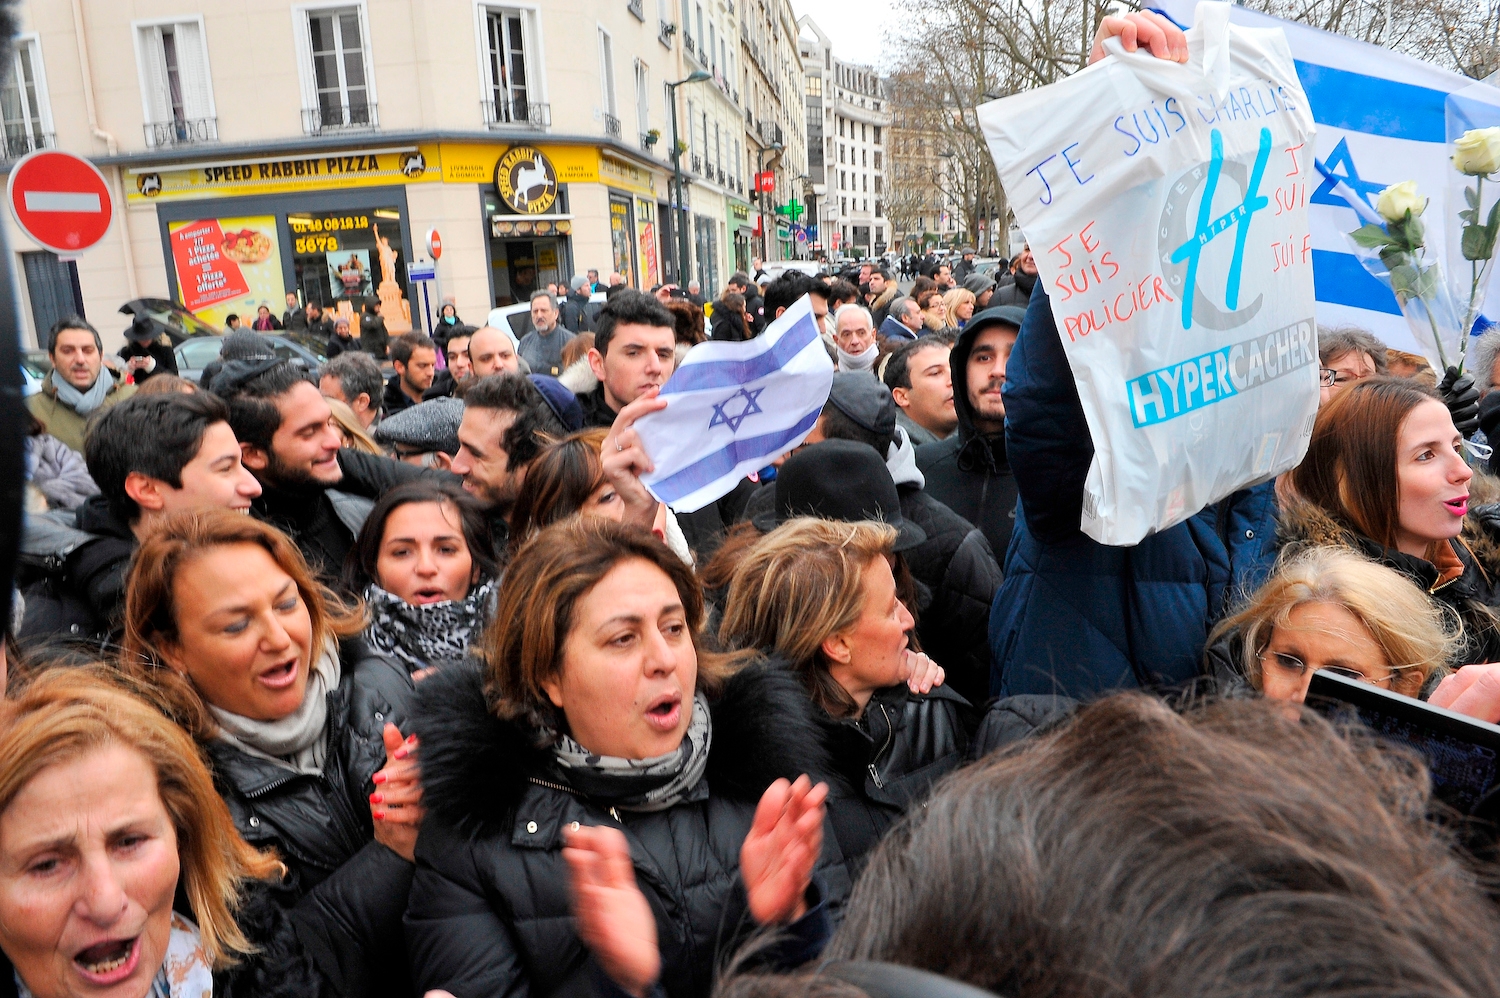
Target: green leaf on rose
point(1370, 236)
point(1472, 196)
point(1477, 242)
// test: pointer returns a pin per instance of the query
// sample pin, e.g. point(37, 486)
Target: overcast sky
point(854, 25)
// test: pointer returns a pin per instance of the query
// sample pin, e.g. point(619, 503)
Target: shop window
point(622, 246)
point(510, 94)
point(346, 258)
point(337, 79)
point(23, 101)
point(175, 88)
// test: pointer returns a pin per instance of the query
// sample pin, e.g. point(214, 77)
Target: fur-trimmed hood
point(578, 377)
point(476, 767)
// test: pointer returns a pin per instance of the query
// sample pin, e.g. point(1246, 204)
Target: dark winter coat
point(1472, 596)
point(320, 328)
point(574, 313)
point(596, 411)
point(280, 967)
point(373, 338)
point(395, 399)
point(1011, 720)
point(1079, 618)
point(162, 353)
point(727, 326)
point(489, 911)
point(888, 761)
point(970, 472)
point(1016, 291)
point(338, 344)
point(346, 891)
point(79, 594)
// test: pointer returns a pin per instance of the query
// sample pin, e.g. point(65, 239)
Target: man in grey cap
point(983, 287)
point(425, 434)
point(965, 266)
point(575, 307)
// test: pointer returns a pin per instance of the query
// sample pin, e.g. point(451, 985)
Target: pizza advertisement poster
point(228, 266)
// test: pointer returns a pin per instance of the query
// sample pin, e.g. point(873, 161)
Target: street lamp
point(776, 147)
point(697, 76)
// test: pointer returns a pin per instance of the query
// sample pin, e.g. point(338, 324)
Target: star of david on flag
point(733, 408)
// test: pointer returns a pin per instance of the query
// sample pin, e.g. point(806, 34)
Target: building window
point(864, 182)
point(713, 47)
point(343, 96)
point(23, 101)
point(862, 135)
point(607, 85)
point(864, 157)
point(878, 212)
point(843, 206)
point(509, 88)
point(877, 161)
point(841, 128)
point(642, 98)
point(841, 152)
point(842, 183)
point(702, 57)
point(175, 85)
point(877, 186)
point(877, 133)
point(815, 86)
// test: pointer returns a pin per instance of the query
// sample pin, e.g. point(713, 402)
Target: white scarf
point(185, 973)
point(858, 361)
point(83, 403)
point(298, 740)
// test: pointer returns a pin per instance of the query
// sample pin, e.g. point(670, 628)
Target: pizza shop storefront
point(342, 228)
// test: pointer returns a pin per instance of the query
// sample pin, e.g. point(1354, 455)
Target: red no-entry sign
point(60, 200)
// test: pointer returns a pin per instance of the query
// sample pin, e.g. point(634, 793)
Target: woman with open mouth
point(597, 726)
point(425, 563)
point(819, 596)
point(300, 722)
point(108, 814)
point(1385, 475)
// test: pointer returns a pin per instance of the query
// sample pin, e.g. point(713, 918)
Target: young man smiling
point(151, 456)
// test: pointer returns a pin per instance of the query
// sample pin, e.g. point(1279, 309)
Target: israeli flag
point(733, 408)
point(1381, 120)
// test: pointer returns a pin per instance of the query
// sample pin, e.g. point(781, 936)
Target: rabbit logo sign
point(525, 180)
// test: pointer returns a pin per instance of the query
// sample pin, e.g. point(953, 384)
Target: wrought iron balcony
point(697, 164)
point(638, 8)
point(687, 41)
point(339, 117)
point(611, 126)
point(184, 131)
point(664, 32)
point(20, 140)
point(499, 114)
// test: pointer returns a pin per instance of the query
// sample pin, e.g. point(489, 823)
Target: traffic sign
point(434, 244)
point(765, 181)
point(420, 270)
point(60, 200)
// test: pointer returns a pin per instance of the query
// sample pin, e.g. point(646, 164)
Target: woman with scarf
point(597, 713)
point(120, 869)
point(261, 665)
point(426, 566)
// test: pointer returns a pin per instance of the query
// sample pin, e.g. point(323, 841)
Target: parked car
point(35, 366)
point(809, 267)
point(196, 352)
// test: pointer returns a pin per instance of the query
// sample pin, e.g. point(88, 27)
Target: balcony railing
point(664, 32)
point(697, 164)
point(20, 140)
point(647, 142)
point(638, 8)
point(339, 117)
point(611, 126)
point(499, 114)
point(181, 132)
point(687, 41)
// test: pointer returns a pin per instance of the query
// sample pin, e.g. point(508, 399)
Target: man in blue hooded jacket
point(1082, 619)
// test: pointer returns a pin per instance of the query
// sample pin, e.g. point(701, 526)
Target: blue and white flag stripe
point(733, 408)
point(1380, 118)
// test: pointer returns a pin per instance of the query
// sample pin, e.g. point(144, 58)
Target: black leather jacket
point(888, 760)
point(347, 891)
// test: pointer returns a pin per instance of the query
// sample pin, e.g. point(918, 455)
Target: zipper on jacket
point(553, 786)
point(890, 733)
point(273, 785)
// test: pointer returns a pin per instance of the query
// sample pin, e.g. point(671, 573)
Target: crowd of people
point(333, 683)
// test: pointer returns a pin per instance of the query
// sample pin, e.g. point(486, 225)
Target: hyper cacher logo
point(1182, 248)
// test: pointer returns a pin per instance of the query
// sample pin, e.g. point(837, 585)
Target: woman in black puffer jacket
point(820, 594)
point(300, 728)
point(596, 707)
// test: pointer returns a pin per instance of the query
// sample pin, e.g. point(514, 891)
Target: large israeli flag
point(1380, 118)
point(733, 408)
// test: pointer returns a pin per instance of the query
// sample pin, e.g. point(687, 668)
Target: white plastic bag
point(1188, 396)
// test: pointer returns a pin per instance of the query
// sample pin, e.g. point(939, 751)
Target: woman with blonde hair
point(107, 815)
point(1332, 608)
point(935, 315)
point(263, 667)
point(959, 304)
point(353, 432)
point(820, 596)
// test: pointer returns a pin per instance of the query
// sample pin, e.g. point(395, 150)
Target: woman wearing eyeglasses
point(1331, 608)
point(1385, 475)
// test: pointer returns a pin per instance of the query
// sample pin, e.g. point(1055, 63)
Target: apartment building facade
point(261, 147)
point(775, 129)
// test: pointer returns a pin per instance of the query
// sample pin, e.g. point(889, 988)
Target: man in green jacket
point(79, 384)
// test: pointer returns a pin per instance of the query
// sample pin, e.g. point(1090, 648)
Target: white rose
point(1396, 200)
point(1477, 152)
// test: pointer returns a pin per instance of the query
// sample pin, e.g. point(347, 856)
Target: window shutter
point(197, 95)
point(158, 94)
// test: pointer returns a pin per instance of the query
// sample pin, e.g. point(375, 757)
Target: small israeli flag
point(733, 408)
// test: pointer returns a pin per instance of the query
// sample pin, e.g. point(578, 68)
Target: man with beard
point(291, 446)
point(505, 418)
point(491, 351)
point(1023, 279)
point(880, 291)
point(459, 367)
point(414, 356)
point(968, 472)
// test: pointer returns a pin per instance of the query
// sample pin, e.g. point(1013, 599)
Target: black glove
point(1462, 400)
